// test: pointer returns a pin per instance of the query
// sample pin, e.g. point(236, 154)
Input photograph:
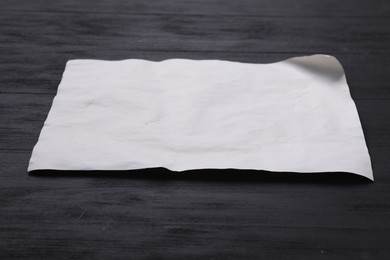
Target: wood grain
point(157, 214)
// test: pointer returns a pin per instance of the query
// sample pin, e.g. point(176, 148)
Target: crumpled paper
point(295, 115)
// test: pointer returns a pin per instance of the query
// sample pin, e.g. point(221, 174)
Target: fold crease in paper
point(295, 115)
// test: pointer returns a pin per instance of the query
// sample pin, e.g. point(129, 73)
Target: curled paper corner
point(294, 115)
point(326, 66)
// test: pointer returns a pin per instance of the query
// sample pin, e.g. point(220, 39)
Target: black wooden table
point(203, 214)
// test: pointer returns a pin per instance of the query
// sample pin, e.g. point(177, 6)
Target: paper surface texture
point(295, 115)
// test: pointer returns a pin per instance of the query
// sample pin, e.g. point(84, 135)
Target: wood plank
point(329, 8)
point(192, 241)
point(68, 32)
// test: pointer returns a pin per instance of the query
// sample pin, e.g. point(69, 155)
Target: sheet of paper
point(295, 115)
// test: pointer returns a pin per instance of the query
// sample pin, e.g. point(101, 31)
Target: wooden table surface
point(203, 214)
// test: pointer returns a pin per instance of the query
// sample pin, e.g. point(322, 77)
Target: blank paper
point(295, 115)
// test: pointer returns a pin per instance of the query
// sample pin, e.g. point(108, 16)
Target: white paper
point(295, 115)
